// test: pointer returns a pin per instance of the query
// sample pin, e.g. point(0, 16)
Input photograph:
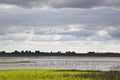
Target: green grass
point(15, 62)
point(36, 74)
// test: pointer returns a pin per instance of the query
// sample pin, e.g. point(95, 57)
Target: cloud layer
point(79, 25)
point(63, 3)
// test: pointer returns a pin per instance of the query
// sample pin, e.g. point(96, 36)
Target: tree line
point(58, 53)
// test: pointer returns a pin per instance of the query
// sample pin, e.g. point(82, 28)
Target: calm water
point(78, 63)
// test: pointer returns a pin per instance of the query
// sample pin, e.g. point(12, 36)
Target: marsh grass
point(15, 62)
point(36, 74)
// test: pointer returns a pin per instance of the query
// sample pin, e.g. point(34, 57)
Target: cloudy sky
point(60, 25)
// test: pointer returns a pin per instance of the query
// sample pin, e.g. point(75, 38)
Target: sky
point(60, 25)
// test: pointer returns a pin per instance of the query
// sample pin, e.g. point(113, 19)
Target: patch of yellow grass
point(36, 74)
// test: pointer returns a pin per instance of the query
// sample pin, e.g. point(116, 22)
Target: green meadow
point(37, 74)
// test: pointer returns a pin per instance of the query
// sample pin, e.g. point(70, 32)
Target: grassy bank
point(36, 74)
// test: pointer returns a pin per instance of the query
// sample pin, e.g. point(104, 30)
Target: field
point(36, 74)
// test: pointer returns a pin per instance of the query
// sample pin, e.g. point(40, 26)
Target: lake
point(77, 63)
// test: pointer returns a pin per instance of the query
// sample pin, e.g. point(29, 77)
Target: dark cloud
point(115, 33)
point(64, 3)
point(24, 3)
point(74, 3)
point(102, 17)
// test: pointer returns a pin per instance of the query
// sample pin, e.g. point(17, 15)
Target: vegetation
point(59, 53)
point(15, 62)
point(58, 75)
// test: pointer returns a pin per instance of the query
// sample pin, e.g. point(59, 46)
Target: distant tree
point(59, 52)
point(26, 51)
point(70, 53)
point(67, 52)
point(73, 52)
point(37, 51)
point(91, 53)
point(51, 52)
point(16, 51)
point(3, 52)
point(22, 52)
point(29, 52)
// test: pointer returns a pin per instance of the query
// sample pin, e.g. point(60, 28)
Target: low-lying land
point(36, 74)
point(15, 62)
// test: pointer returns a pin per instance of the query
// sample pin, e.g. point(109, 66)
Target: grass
point(14, 62)
point(36, 74)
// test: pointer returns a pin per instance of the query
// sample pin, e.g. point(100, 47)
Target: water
point(77, 63)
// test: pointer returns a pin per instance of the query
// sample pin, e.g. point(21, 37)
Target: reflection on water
point(78, 63)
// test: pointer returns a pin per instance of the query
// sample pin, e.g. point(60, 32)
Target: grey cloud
point(13, 37)
point(115, 33)
point(80, 33)
point(74, 3)
point(96, 33)
point(102, 17)
point(56, 22)
point(68, 35)
point(23, 3)
point(61, 33)
point(64, 3)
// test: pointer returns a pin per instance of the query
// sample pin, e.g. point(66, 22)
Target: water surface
point(77, 63)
